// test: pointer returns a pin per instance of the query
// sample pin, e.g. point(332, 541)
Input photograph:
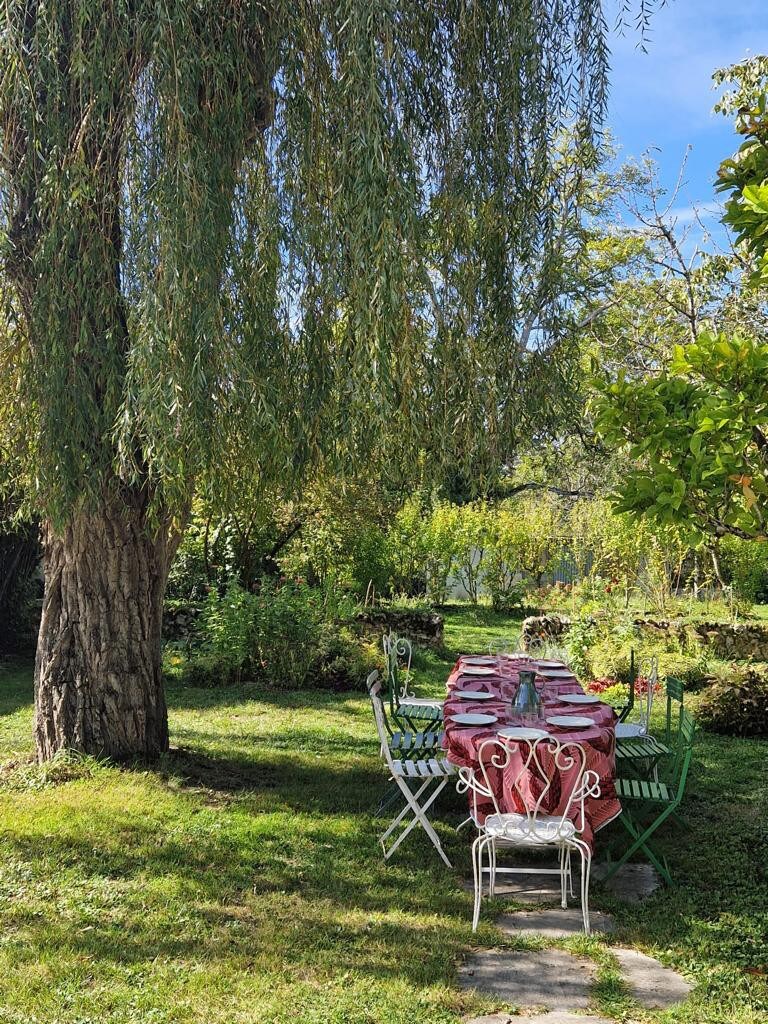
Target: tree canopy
point(283, 229)
point(696, 427)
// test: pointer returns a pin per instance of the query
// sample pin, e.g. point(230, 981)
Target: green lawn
point(241, 880)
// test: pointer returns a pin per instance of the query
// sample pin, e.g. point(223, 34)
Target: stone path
point(632, 883)
point(552, 983)
point(654, 986)
point(533, 888)
point(547, 978)
point(557, 1017)
point(553, 924)
point(557, 981)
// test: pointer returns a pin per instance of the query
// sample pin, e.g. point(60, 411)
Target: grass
point(240, 879)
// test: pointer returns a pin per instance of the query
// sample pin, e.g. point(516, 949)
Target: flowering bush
point(603, 685)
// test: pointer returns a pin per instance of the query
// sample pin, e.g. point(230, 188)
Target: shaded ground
point(241, 881)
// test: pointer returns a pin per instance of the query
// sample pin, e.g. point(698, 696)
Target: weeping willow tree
point(290, 230)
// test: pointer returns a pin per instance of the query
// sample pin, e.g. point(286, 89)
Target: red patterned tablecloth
point(599, 740)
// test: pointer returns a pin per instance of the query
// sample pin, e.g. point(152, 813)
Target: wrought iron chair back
point(504, 645)
point(638, 724)
point(532, 772)
point(397, 649)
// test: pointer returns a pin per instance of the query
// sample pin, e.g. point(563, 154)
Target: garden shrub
point(745, 563)
point(205, 559)
point(578, 642)
point(602, 648)
point(736, 704)
point(692, 670)
point(286, 635)
point(288, 625)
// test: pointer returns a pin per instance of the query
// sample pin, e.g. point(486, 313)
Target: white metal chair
point(641, 724)
point(504, 645)
point(529, 767)
point(424, 774)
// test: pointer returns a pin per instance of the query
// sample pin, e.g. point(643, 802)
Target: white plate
point(570, 721)
point(478, 670)
point(473, 719)
point(474, 695)
point(556, 673)
point(542, 663)
point(579, 698)
point(519, 732)
point(480, 659)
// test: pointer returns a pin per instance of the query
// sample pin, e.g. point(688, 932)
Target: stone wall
point(543, 629)
point(179, 621)
point(746, 641)
point(425, 627)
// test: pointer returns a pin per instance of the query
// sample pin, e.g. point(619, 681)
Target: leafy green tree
point(745, 175)
point(698, 436)
point(696, 429)
point(223, 226)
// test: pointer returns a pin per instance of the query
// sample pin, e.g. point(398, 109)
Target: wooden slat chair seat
point(415, 741)
point(426, 768)
point(640, 755)
point(647, 803)
point(415, 715)
point(643, 789)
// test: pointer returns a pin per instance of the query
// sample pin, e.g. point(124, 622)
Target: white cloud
point(689, 214)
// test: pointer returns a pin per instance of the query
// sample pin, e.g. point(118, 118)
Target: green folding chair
point(410, 713)
point(675, 694)
point(641, 755)
point(647, 803)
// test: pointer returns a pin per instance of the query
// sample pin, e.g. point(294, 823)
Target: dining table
point(496, 679)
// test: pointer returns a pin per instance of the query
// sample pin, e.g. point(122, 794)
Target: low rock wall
point(425, 627)
point(747, 641)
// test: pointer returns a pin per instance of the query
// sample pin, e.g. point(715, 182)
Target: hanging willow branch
point(291, 231)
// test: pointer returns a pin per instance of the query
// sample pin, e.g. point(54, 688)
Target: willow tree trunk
point(98, 679)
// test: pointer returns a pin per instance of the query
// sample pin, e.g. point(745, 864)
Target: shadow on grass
point(16, 687)
point(200, 699)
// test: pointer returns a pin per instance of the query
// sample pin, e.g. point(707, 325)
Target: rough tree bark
point(98, 681)
point(98, 684)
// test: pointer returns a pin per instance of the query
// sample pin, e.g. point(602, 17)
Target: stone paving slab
point(528, 889)
point(632, 883)
point(654, 986)
point(558, 1017)
point(549, 978)
point(553, 924)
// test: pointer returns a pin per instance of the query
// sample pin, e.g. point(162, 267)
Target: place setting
point(569, 721)
point(554, 672)
point(468, 718)
point(478, 695)
point(478, 670)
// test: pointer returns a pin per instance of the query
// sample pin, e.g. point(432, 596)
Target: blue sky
point(664, 98)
